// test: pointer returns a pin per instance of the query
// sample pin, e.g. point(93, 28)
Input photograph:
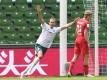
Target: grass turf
point(57, 78)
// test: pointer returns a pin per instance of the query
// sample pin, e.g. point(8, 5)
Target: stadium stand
point(19, 23)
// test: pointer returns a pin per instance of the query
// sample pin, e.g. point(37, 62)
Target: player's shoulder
point(80, 21)
point(44, 24)
point(83, 20)
point(56, 27)
point(86, 21)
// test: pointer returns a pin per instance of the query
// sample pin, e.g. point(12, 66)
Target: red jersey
point(81, 44)
point(82, 26)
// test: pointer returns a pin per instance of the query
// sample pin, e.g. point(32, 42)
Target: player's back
point(81, 26)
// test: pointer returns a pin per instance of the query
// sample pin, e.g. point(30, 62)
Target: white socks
point(28, 70)
point(34, 62)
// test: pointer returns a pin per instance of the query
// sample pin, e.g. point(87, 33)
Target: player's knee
point(75, 57)
point(40, 55)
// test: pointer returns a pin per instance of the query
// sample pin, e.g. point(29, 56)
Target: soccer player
point(45, 39)
point(81, 43)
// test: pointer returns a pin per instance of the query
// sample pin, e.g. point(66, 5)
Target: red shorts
point(81, 46)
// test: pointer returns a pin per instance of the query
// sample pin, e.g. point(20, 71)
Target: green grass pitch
point(57, 78)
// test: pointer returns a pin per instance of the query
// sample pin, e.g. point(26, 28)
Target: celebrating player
point(81, 42)
point(45, 39)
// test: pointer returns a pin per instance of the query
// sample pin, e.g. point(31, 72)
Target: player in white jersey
point(45, 39)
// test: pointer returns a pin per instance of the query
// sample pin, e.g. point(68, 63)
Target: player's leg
point(40, 52)
point(75, 57)
point(84, 51)
point(72, 63)
point(35, 61)
point(85, 65)
point(86, 73)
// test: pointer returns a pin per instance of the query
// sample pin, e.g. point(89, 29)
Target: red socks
point(71, 66)
point(85, 69)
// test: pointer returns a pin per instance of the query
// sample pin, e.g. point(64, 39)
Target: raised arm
point(69, 24)
point(39, 13)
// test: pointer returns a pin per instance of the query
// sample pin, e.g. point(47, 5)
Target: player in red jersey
point(81, 42)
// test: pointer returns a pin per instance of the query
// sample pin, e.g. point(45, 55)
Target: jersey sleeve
point(58, 29)
point(44, 26)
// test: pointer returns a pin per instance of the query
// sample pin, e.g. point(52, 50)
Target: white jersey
point(47, 35)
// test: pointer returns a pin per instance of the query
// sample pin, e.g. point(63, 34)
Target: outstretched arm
point(39, 13)
point(69, 24)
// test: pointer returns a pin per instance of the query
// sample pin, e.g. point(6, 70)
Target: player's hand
point(38, 8)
